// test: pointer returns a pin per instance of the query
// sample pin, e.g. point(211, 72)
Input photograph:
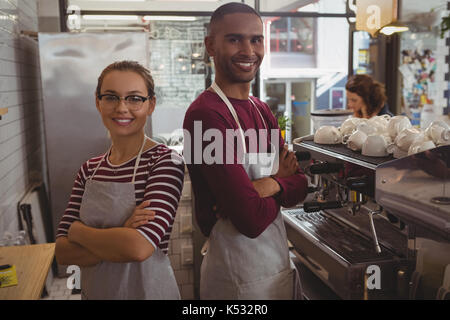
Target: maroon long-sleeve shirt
point(228, 186)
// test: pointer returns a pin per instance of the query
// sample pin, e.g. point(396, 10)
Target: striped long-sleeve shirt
point(159, 178)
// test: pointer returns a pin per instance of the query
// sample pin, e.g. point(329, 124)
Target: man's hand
point(140, 216)
point(288, 164)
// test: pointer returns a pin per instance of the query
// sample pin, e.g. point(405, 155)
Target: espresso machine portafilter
point(335, 187)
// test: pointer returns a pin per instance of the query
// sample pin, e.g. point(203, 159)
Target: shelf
point(343, 153)
point(3, 111)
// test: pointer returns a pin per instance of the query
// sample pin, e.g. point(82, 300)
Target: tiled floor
point(59, 291)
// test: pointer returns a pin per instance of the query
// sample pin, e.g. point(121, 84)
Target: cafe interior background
point(52, 51)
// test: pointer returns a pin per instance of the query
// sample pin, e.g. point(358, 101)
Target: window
point(316, 6)
point(292, 35)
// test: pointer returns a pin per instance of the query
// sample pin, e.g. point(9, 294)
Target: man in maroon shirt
point(240, 212)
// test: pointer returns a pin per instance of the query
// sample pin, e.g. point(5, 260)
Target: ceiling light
point(394, 27)
point(111, 17)
point(11, 17)
point(124, 28)
point(168, 18)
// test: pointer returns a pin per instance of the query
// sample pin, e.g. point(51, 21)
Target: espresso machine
point(373, 228)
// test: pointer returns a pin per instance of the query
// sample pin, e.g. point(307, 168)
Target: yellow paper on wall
point(8, 277)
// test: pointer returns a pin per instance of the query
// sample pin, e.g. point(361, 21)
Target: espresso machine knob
point(315, 206)
point(357, 183)
point(364, 185)
point(325, 167)
point(302, 155)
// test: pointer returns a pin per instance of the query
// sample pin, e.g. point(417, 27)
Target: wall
point(447, 75)
point(48, 12)
point(22, 149)
point(181, 246)
point(323, 100)
point(425, 34)
point(441, 79)
point(177, 64)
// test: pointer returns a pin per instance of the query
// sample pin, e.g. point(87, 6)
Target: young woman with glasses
point(120, 214)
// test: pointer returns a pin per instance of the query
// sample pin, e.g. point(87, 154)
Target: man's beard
point(236, 78)
point(227, 70)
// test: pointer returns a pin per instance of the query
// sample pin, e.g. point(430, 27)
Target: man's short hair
point(229, 8)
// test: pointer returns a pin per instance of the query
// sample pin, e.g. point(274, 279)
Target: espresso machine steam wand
point(355, 188)
point(359, 186)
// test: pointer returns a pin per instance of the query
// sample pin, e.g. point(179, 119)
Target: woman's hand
point(68, 253)
point(140, 216)
point(288, 164)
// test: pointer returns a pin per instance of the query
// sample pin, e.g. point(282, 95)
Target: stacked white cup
point(328, 135)
point(380, 136)
point(368, 136)
point(413, 140)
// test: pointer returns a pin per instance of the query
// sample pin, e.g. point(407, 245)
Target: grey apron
point(237, 267)
point(109, 205)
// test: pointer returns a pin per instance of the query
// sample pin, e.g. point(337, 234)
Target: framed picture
point(337, 98)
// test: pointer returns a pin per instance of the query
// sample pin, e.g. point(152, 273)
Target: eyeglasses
point(133, 102)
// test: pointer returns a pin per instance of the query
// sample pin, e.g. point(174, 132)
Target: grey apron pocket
point(277, 287)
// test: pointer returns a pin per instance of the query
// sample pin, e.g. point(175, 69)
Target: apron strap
point(260, 114)
point(272, 147)
point(233, 111)
point(99, 163)
point(138, 159)
point(136, 165)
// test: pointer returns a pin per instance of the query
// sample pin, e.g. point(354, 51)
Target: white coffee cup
point(375, 146)
point(387, 137)
point(397, 124)
point(327, 135)
point(381, 121)
point(349, 126)
point(380, 127)
point(407, 136)
point(420, 146)
point(396, 151)
point(435, 131)
point(445, 137)
point(367, 127)
point(356, 140)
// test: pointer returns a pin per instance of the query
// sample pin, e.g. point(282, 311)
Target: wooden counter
point(32, 265)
